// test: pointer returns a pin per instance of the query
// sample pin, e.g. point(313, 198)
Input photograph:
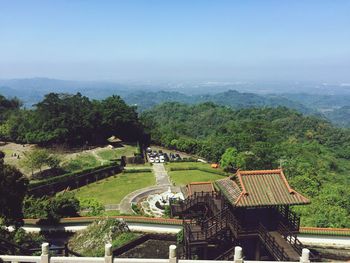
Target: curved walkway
point(162, 184)
point(125, 204)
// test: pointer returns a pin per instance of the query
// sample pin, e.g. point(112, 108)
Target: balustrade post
point(108, 253)
point(45, 256)
point(238, 256)
point(172, 254)
point(305, 256)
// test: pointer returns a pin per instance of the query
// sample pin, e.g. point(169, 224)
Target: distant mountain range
point(332, 102)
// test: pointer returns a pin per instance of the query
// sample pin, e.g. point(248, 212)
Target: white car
point(151, 160)
point(157, 159)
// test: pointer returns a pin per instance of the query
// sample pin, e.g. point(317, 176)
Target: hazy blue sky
point(176, 40)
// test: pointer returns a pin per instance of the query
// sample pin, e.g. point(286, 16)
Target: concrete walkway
point(125, 204)
point(161, 174)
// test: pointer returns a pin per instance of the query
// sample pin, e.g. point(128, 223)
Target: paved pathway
point(125, 204)
point(161, 174)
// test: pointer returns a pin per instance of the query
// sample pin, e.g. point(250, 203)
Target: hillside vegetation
point(70, 119)
point(232, 98)
point(314, 154)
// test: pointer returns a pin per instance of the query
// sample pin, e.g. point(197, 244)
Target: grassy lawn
point(186, 177)
point(113, 189)
point(126, 150)
point(81, 161)
point(107, 154)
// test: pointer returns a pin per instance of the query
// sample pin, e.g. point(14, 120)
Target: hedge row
point(142, 170)
point(68, 176)
point(184, 160)
point(208, 170)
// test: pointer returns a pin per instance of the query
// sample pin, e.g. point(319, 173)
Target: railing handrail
point(226, 254)
point(270, 241)
point(290, 237)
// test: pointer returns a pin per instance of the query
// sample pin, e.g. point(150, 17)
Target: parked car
point(166, 157)
point(151, 160)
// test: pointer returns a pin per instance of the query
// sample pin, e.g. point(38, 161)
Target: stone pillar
point(238, 257)
point(108, 253)
point(305, 256)
point(45, 257)
point(172, 254)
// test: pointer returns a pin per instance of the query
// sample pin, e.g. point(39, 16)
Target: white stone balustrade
point(108, 258)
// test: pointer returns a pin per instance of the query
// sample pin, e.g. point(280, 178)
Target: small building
point(115, 141)
point(250, 209)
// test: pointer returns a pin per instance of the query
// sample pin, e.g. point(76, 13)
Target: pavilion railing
point(290, 237)
point(271, 244)
point(178, 207)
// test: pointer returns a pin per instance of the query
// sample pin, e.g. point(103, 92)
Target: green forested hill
point(314, 154)
point(232, 98)
point(69, 119)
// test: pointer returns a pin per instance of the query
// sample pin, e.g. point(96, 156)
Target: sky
point(187, 40)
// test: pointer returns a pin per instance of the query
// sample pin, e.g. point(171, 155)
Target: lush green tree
point(36, 159)
point(51, 209)
point(73, 120)
point(13, 187)
point(232, 160)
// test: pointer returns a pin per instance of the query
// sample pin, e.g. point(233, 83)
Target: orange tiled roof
point(259, 188)
point(200, 187)
point(325, 231)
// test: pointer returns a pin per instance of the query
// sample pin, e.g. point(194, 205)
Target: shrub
point(136, 209)
point(92, 205)
point(69, 176)
point(142, 170)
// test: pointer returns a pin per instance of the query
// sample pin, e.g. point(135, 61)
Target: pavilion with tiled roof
point(197, 187)
point(260, 188)
point(252, 208)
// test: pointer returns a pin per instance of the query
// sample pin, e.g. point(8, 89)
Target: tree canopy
point(73, 120)
point(314, 154)
point(13, 187)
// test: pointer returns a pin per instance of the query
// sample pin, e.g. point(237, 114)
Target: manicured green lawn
point(81, 161)
point(189, 176)
point(107, 154)
point(126, 150)
point(113, 189)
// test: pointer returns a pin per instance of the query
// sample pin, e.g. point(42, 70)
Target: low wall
point(325, 237)
point(135, 223)
point(325, 241)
